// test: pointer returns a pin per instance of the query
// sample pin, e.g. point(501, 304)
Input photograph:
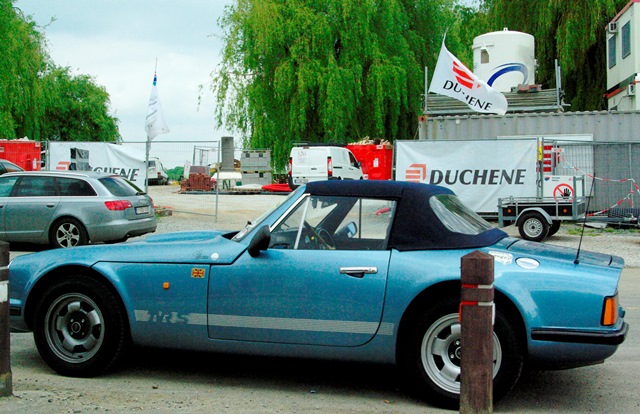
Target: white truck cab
point(317, 163)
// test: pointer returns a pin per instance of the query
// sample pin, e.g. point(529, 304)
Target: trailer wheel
point(555, 226)
point(533, 226)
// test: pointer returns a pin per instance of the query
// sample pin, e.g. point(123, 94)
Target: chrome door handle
point(358, 272)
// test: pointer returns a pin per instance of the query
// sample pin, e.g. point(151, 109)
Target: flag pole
point(154, 123)
point(148, 143)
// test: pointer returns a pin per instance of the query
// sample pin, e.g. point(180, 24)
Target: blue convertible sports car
point(359, 270)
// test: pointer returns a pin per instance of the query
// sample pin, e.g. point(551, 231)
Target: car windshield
point(253, 224)
point(456, 216)
point(120, 187)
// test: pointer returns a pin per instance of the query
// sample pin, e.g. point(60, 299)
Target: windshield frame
point(251, 225)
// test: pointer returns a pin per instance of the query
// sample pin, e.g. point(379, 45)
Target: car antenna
point(584, 222)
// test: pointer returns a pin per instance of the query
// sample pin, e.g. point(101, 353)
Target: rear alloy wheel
point(68, 232)
point(533, 227)
point(430, 355)
point(80, 328)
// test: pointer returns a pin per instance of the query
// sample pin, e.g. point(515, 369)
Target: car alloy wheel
point(75, 327)
point(441, 352)
point(68, 232)
point(80, 328)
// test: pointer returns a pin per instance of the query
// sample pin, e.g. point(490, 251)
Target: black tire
point(84, 313)
point(555, 226)
point(432, 371)
point(68, 232)
point(292, 186)
point(533, 226)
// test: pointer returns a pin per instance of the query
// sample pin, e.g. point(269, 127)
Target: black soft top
point(415, 225)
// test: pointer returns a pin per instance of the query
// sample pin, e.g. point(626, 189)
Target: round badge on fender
point(527, 263)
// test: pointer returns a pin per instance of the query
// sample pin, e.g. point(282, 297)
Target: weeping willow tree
point(572, 32)
point(22, 62)
point(329, 71)
point(40, 100)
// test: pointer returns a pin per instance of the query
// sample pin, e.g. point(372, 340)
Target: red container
point(24, 153)
point(376, 160)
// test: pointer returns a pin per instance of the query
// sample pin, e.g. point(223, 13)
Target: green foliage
point(40, 100)
point(76, 109)
point(572, 32)
point(328, 71)
point(176, 174)
point(22, 60)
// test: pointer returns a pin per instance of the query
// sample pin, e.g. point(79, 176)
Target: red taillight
point(118, 205)
point(290, 166)
point(329, 167)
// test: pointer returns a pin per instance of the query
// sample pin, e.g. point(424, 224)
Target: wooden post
point(6, 386)
point(476, 318)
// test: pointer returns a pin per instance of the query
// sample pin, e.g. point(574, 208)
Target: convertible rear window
point(456, 216)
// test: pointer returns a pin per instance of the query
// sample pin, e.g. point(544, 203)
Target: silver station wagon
point(72, 208)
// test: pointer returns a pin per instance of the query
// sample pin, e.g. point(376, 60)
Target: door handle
point(358, 272)
point(50, 205)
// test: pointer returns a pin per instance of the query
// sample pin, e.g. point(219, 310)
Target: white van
point(156, 173)
point(317, 163)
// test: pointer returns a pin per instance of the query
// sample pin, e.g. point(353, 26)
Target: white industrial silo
point(505, 59)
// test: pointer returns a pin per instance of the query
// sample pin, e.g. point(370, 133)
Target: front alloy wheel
point(79, 327)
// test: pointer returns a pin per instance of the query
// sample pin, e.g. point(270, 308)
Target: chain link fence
point(612, 171)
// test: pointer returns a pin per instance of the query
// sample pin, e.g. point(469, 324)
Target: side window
point(33, 186)
point(71, 187)
point(612, 50)
point(352, 159)
point(371, 218)
point(10, 168)
point(6, 185)
point(626, 40)
point(335, 223)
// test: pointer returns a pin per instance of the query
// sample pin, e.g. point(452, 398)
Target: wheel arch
point(450, 288)
point(57, 275)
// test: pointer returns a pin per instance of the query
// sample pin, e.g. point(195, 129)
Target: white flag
point(453, 79)
point(155, 124)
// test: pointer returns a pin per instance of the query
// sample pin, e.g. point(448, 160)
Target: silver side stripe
point(258, 322)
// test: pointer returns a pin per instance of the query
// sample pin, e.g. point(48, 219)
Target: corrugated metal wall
point(603, 126)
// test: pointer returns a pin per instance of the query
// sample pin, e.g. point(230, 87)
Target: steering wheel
point(321, 241)
point(326, 239)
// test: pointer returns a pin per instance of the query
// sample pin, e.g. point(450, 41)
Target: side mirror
point(352, 230)
point(260, 241)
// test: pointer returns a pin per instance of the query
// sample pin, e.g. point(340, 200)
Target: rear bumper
point(581, 337)
point(120, 229)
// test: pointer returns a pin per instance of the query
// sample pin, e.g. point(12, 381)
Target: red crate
point(24, 153)
point(376, 160)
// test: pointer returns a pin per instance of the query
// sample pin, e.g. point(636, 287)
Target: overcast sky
point(117, 42)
